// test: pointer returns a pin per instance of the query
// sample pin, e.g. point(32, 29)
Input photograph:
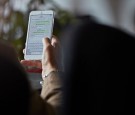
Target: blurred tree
point(62, 17)
point(13, 23)
point(13, 26)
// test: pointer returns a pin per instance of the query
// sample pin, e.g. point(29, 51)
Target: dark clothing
point(100, 64)
point(16, 94)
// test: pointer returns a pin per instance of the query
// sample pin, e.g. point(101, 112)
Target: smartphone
point(40, 26)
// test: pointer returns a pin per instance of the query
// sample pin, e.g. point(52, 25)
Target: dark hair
point(14, 89)
point(99, 69)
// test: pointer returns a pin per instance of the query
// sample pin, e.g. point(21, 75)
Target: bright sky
point(98, 8)
point(20, 4)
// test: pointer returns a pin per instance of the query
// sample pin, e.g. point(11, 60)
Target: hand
point(50, 55)
point(50, 58)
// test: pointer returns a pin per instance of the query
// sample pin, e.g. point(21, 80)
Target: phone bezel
point(36, 57)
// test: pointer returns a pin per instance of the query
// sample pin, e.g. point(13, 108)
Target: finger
point(54, 41)
point(46, 42)
point(23, 51)
point(46, 47)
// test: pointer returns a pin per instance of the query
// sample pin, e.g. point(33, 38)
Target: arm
point(50, 100)
point(51, 89)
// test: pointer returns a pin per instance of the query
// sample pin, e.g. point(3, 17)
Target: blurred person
point(17, 96)
point(15, 89)
point(100, 57)
point(99, 69)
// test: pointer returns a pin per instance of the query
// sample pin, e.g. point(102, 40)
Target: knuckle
point(48, 47)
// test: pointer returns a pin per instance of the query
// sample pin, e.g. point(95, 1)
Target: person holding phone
point(51, 87)
point(41, 53)
point(16, 94)
point(40, 25)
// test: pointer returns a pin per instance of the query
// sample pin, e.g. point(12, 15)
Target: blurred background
point(14, 16)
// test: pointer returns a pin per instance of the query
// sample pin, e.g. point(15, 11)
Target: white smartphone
point(40, 26)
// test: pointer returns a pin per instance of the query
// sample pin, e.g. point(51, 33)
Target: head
point(99, 69)
point(14, 86)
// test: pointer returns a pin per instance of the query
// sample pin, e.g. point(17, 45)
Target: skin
point(49, 59)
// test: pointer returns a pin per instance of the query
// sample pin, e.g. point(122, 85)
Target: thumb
point(46, 42)
point(46, 48)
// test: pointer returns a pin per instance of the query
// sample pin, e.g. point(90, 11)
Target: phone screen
point(40, 26)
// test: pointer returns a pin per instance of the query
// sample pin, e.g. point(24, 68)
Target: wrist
point(47, 70)
point(51, 76)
